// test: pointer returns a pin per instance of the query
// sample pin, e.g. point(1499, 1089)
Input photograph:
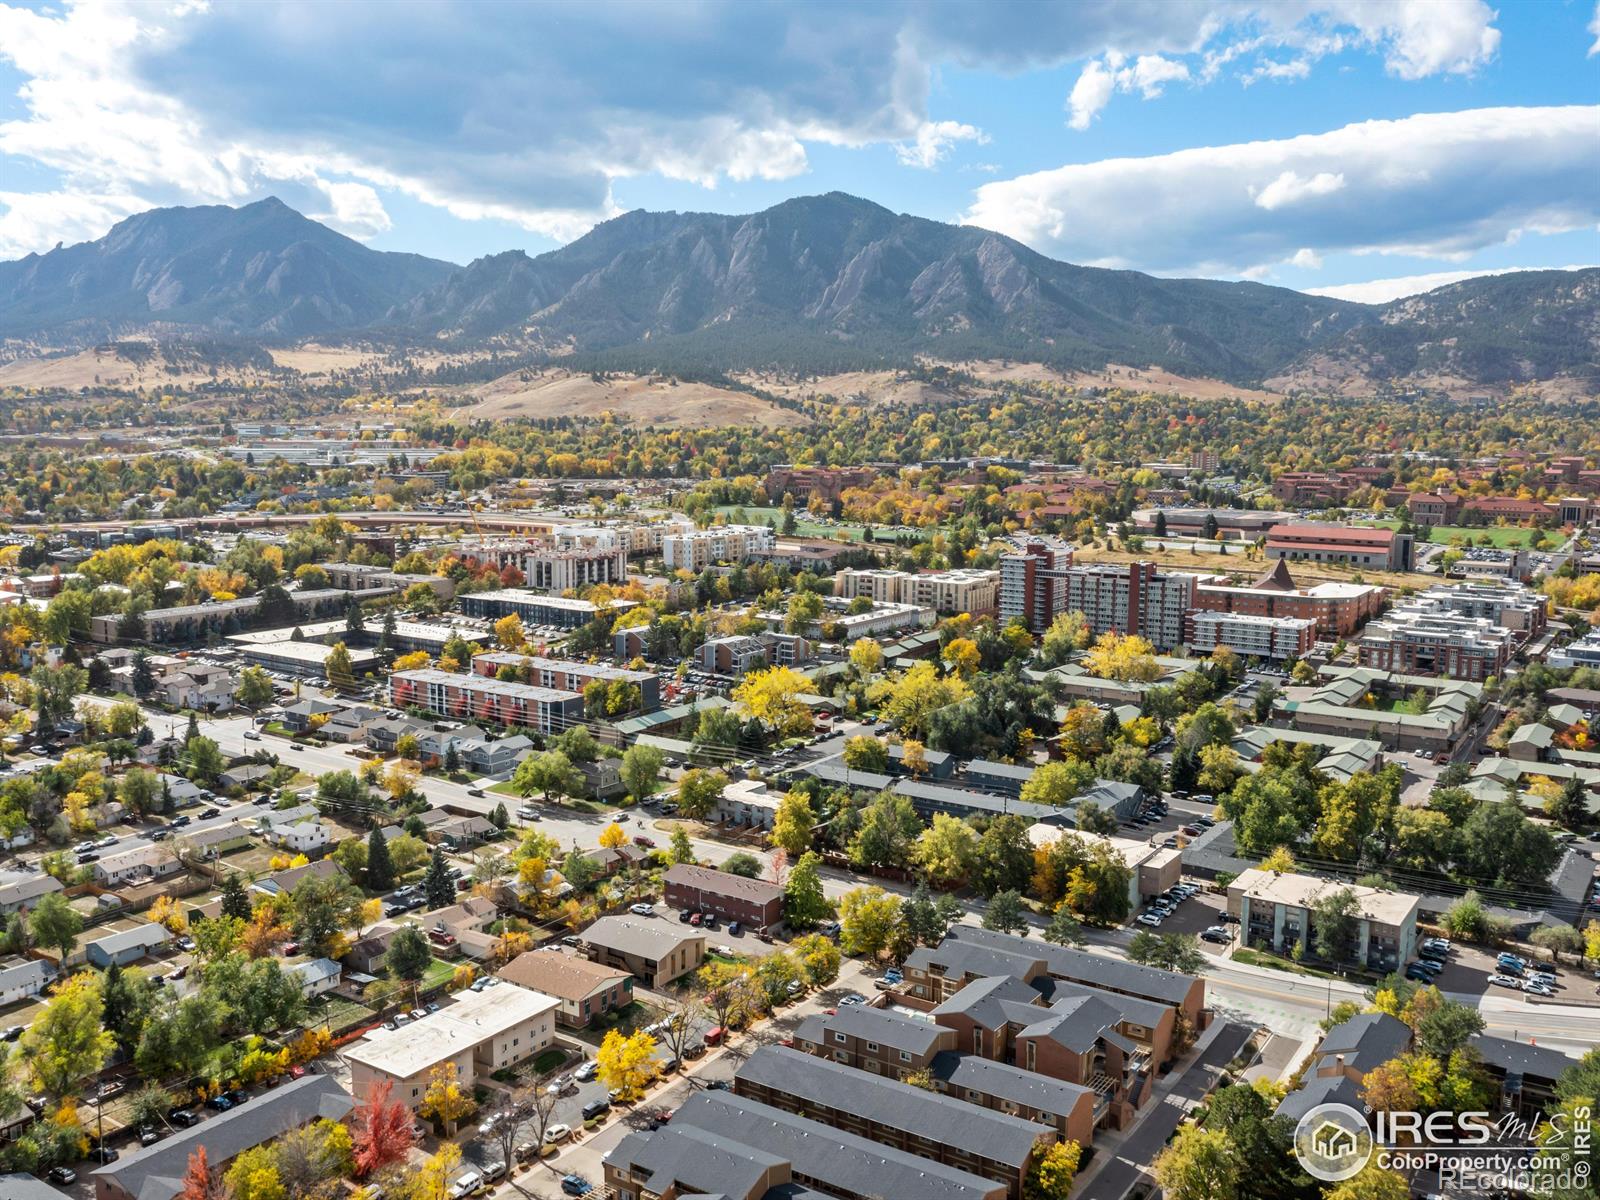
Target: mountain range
point(816, 283)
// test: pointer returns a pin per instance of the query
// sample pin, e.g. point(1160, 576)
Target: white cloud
point(1306, 258)
point(1148, 75)
point(1381, 291)
point(934, 140)
point(1438, 185)
point(1291, 188)
point(1594, 28)
point(36, 221)
point(486, 113)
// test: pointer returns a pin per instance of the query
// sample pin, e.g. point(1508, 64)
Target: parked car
point(64, 1176)
point(149, 1135)
point(684, 915)
point(852, 998)
point(219, 1103)
point(586, 1072)
point(642, 910)
point(735, 929)
point(1534, 988)
point(466, 1185)
point(183, 1118)
point(576, 1185)
point(596, 1108)
point(1151, 919)
point(1506, 981)
point(1216, 933)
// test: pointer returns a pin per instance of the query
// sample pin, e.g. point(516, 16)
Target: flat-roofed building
point(1277, 912)
point(566, 675)
point(1423, 639)
point(1033, 585)
point(1274, 638)
point(450, 694)
point(476, 1035)
point(700, 548)
point(305, 660)
point(560, 612)
point(1134, 598)
point(1229, 523)
point(957, 591)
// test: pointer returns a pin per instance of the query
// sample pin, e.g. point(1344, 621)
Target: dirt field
point(1214, 564)
point(92, 368)
point(874, 387)
point(645, 400)
point(1153, 380)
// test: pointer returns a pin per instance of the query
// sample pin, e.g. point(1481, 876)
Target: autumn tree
point(66, 1043)
point(626, 1061)
point(443, 1099)
point(793, 823)
point(1052, 1173)
point(1126, 657)
point(699, 791)
point(870, 921)
point(772, 697)
point(199, 1181)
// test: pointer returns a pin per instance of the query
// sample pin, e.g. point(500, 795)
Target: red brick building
point(1348, 545)
point(752, 902)
point(1338, 609)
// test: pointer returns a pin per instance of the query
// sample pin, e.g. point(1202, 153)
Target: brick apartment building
point(752, 902)
point(1132, 598)
point(802, 483)
point(1337, 609)
point(1033, 584)
point(1274, 638)
point(564, 675)
point(475, 698)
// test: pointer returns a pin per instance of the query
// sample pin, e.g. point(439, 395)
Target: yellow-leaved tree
point(626, 1062)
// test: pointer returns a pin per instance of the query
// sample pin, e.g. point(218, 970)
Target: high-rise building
point(1033, 584)
point(1132, 598)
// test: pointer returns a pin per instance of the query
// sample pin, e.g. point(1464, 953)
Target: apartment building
point(476, 1035)
point(726, 1145)
point(191, 622)
point(930, 1125)
point(1425, 639)
point(1132, 598)
point(1336, 609)
point(472, 697)
point(547, 567)
point(1346, 545)
point(535, 609)
point(1510, 605)
point(755, 903)
point(655, 952)
point(698, 549)
point(1276, 912)
point(565, 675)
point(1274, 638)
point(1349, 1052)
point(1429, 508)
point(1033, 585)
point(958, 591)
point(969, 952)
point(1585, 652)
point(585, 990)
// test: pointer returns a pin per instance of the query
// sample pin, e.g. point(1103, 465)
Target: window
point(872, 1047)
point(905, 1056)
point(838, 1037)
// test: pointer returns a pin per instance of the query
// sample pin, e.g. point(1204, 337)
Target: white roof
point(474, 1018)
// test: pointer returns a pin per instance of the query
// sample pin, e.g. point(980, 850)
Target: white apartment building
point(477, 1034)
point(1585, 652)
point(546, 567)
point(1276, 638)
point(700, 548)
point(958, 591)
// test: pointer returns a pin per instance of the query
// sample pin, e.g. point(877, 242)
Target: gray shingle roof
point(894, 1030)
point(156, 1173)
point(1040, 1092)
point(651, 939)
point(988, 1001)
point(1320, 1089)
point(838, 1161)
point(940, 1119)
point(1522, 1058)
point(1096, 970)
point(1367, 1040)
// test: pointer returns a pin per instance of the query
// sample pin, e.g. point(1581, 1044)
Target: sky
point(1360, 148)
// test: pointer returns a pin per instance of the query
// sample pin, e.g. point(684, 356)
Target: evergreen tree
point(500, 817)
point(235, 901)
point(380, 867)
point(354, 624)
point(921, 917)
point(452, 760)
point(437, 885)
point(1185, 769)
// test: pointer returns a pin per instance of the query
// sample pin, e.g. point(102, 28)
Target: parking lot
point(1467, 970)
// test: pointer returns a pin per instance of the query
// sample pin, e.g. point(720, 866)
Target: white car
point(527, 812)
point(1506, 981)
point(1151, 919)
point(557, 1133)
point(643, 910)
point(1539, 989)
point(466, 1185)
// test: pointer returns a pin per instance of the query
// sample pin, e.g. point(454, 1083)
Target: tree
point(612, 836)
point(1058, 783)
point(804, 902)
point(866, 657)
point(921, 918)
point(793, 823)
point(380, 866)
point(888, 832)
point(626, 1061)
point(1279, 862)
point(1064, 929)
point(54, 691)
point(1499, 842)
point(1198, 1164)
point(747, 865)
point(1170, 952)
point(641, 769)
point(818, 957)
point(322, 910)
point(408, 957)
point(870, 920)
point(946, 849)
point(1568, 806)
point(508, 632)
point(255, 688)
point(235, 900)
point(1335, 918)
point(725, 991)
point(679, 849)
point(437, 885)
point(339, 667)
point(917, 695)
point(771, 697)
point(1068, 635)
point(206, 763)
point(66, 1043)
point(1004, 858)
point(699, 791)
point(866, 753)
point(551, 774)
point(1559, 940)
point(1051, 1175)
point(962, 656)
point(199, 1182)
point(1005, 913)
point(56, 924)
point(1373, 1183)
point(443, 1098)
point(1126, 657)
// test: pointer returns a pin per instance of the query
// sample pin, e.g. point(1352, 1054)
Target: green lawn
point(1503, 537)
point(339, 1013)
point(437, 975)
point(804, 526)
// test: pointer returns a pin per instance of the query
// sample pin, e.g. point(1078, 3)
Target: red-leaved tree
point(198, 1181)
point(382, 1130)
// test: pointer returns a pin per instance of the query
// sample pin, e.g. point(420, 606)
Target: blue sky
point(1368, 147)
